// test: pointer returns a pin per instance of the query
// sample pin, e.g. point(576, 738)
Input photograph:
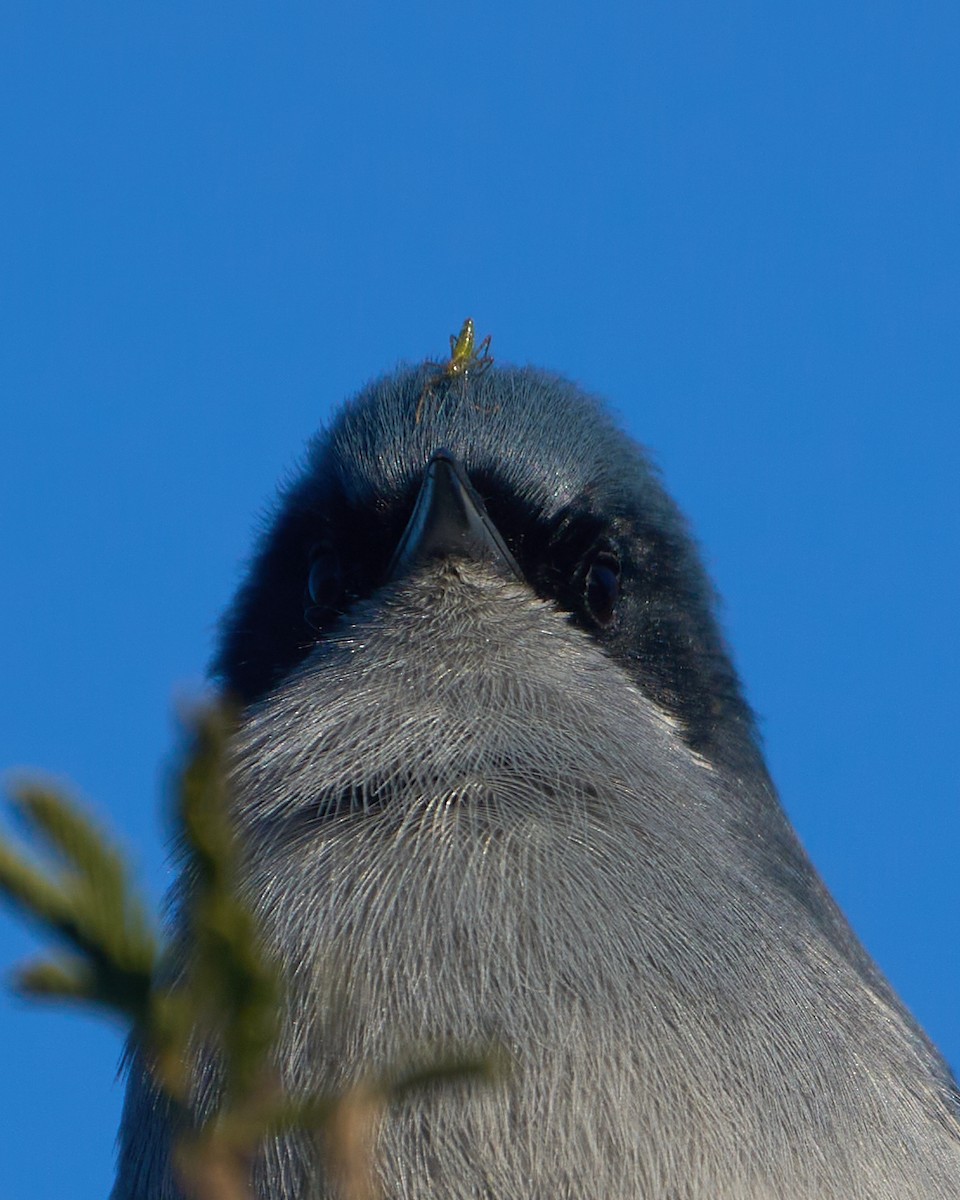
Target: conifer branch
point(225, 992)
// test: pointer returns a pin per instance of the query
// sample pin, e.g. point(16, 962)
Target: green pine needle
point(56, 979)
point(229, 976)
point(84, 901)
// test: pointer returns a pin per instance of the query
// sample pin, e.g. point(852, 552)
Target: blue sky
point(739, 223)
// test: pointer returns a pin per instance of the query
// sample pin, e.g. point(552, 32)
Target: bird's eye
point(324, 585)
point(602, 587)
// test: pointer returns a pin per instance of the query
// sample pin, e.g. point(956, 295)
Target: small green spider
point(465, 355)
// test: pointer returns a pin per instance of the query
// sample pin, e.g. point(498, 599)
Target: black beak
point(449, 520)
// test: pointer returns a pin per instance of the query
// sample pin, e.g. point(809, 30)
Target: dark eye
point(324, 585)
point(602, 587)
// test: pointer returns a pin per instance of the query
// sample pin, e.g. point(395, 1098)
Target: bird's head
point(521, 472)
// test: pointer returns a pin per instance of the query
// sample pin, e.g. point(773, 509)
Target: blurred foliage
point(227, 993)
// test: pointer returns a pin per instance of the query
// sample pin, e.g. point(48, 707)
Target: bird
point(496, 780)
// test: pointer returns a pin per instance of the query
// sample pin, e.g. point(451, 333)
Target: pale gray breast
point(448, 841)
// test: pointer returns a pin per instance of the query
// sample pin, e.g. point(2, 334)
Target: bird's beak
point(449, 520)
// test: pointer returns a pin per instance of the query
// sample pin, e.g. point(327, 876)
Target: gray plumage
point(475, 806)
